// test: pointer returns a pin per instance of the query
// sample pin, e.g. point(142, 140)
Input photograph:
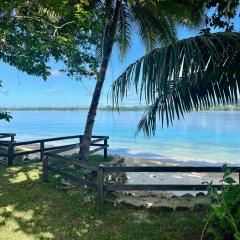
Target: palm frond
point(124, 30)
point(155, 29)
point(188, 75)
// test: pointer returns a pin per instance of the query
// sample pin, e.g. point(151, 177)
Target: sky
point(22, 90)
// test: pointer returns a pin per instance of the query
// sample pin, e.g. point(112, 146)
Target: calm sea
point(207, 136)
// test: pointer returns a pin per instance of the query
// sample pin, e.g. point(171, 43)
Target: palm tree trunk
point(110, 34)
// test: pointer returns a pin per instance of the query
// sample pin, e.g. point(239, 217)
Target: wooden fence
point(40, 146)
point(102, 187)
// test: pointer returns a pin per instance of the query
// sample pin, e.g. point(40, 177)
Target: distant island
point(109, 108)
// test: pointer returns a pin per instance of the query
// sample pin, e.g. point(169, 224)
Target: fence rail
point(40, 146)
point(102, 187)
point(105, 187)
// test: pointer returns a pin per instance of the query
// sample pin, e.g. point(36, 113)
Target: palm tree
point(154, 21)
point(183, 76)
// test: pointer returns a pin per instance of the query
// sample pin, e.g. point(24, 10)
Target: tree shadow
point(41, 210)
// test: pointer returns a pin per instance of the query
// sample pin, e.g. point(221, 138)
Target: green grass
point(31, 209)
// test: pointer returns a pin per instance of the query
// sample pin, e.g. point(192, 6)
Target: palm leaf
point(191, 74)
point(124, 30)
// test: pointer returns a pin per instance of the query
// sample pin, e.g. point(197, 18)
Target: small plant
point(223, 218)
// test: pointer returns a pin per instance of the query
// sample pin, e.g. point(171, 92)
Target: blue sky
point(20, 89)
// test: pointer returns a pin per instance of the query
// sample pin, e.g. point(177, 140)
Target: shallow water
point(207, 136)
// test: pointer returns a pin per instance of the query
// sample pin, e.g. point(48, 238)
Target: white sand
point(169, 178)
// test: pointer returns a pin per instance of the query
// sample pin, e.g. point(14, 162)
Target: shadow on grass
point(32, 209)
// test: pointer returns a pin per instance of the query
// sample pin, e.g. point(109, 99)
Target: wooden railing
point(40, 146)
point(102, 187)
point(8, 135)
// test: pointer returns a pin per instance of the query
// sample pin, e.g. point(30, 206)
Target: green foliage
point(191, 74)
point(186, 75)
point(224, 12)
point(223, 218)
point(34, 32)
point(155, 22)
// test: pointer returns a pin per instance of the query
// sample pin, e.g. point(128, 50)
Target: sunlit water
point(208, 136)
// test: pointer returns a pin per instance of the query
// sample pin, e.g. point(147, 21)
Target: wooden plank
point(5, 143)
point(99, 145)
point(168, 169)
point(42, 150)
point(97, 149)
point(113, 187)
point(10, 154)
point(62, 148)
point(98, 140)
point(105, 149)
point(26, 152)
point(55, 139)
point(73, 178)
point(8, 134)
point(106, 137)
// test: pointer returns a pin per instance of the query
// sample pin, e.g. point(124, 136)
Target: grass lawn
point(31, 209)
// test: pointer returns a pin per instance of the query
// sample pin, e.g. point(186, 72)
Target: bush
point(223, 218)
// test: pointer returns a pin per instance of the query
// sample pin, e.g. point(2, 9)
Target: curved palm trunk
point(111, 31)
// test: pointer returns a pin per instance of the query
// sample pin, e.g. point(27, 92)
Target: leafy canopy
point(33, 32)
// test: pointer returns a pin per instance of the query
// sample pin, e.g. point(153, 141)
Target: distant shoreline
point(107, 108)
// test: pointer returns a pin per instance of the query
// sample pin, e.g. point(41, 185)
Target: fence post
point(45, 168)
point(100, 183)
point(105, 149)
point(12, 138)
point(10, 154)
point(41, 150)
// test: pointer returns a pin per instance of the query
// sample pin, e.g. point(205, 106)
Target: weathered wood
point(98, 140)
point(10, 145)
point(46, 140)
point(45, 168)
point(53, 139)
point(63, 148)
point(167, 187)
point(41, 150)
point(97, 149)
point(10, 154)
point(168, 169)
point(18, 154)
point(100, 182)
point(105, 149)
point(12, 138)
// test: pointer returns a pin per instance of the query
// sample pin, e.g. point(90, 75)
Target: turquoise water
point(208, 136)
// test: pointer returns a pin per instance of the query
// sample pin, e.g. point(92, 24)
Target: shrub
point(223, 218)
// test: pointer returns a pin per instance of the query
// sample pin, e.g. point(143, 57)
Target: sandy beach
point(160, 178)
point(169, 178)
